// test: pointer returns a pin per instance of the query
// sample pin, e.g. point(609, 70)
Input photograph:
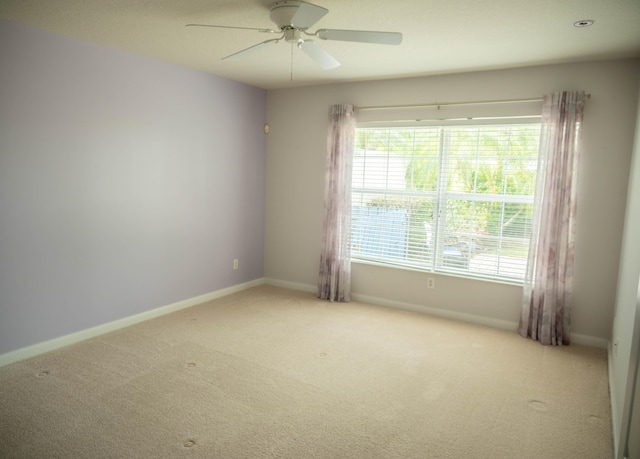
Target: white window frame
point(441, 196)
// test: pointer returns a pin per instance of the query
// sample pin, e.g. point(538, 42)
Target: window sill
point(469, 276)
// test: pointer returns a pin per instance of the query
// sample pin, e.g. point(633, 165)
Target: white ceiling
point(440, 36)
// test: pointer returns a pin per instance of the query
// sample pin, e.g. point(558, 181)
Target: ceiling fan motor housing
point(282, 13)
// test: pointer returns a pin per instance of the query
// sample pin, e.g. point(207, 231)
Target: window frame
point(441, 196)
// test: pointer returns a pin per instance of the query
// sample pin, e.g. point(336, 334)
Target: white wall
point(626, 329)
point(296, 149)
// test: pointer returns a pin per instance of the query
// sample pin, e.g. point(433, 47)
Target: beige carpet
point(270, 372)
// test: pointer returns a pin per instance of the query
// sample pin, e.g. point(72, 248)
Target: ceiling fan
point(293, 19)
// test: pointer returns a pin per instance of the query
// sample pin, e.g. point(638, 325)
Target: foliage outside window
point(455, 199)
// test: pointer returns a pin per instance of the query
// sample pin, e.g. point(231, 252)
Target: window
point(456, 199)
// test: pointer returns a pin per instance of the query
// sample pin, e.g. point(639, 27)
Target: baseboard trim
point(66, 340)
point(453, 315)
point(576, 338)
point(496, 323)
point(590, 341)
point(291, 285)
point(612, 401)
point(57, 343)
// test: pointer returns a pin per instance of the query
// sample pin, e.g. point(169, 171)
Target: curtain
point(334, 283)
point(546, 302)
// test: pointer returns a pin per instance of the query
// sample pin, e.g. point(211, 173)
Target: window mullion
point(440, 211)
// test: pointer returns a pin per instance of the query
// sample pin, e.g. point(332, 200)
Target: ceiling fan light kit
point(293, 19)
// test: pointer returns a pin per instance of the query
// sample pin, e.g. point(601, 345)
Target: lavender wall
point(126, 184)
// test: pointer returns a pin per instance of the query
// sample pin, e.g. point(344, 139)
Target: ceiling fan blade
point(325, 60)
point(233, 27)
point(251, 49)
point(362, 36)
point(307, 15)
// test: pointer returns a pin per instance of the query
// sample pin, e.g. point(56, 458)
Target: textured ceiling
point(440, 36)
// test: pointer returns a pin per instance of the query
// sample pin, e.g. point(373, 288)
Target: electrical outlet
point(235, 264)
point(431, 283)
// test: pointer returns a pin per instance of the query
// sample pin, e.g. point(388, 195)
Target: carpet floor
point(275, 373)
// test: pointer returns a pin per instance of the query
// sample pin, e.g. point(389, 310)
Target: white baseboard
point(576, 338)
point(57, 343)
point(291, 285)
point(591, 341)
point(612, 401)
point(460, 316)
point(496, 323)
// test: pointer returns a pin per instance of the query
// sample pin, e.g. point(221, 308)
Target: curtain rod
point(445, 104)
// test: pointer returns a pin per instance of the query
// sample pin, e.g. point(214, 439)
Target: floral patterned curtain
point(334, 283)
point(546, 303)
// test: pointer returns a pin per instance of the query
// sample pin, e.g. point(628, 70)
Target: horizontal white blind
point(454, 199)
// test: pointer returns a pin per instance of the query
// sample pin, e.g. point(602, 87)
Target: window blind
point(455, 199)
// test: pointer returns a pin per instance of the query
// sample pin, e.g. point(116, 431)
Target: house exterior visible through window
point(454, 199)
